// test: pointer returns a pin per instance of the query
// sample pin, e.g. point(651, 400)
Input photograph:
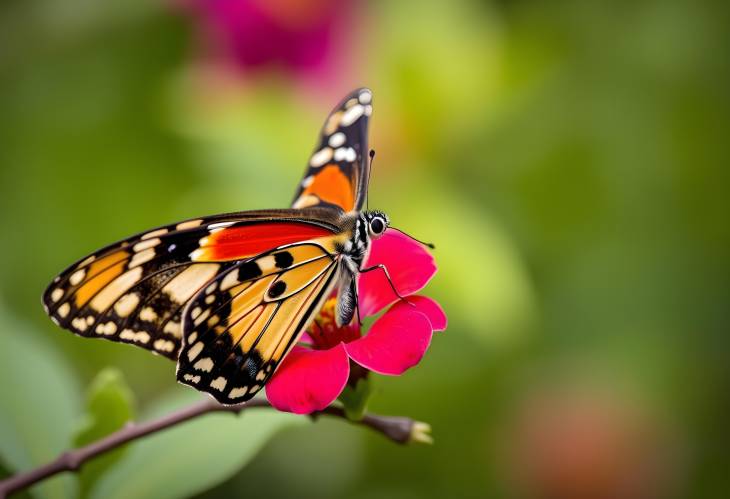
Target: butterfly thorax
point(364, 227)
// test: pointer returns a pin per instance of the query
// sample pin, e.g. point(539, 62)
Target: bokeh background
point(568, 158)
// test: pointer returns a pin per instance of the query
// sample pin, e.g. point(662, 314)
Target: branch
point(399, 429)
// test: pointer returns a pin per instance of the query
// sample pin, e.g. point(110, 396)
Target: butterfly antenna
point(430, 245)
point(370, 171)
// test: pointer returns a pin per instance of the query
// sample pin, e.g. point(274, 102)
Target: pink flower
point(314, 374)
point(300, 36)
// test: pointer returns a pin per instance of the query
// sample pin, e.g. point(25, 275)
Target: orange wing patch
point(329, 185)
point(337, 172)
point(100, 273)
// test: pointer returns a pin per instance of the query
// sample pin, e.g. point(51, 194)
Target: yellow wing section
point(238, 329)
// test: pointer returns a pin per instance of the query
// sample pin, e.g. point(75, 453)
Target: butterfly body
point(228, 296)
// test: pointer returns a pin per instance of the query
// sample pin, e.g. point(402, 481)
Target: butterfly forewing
point(336, 175)
point(135, 291)
point(240, 327)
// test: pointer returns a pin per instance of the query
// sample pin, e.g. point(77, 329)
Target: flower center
point(325, 332)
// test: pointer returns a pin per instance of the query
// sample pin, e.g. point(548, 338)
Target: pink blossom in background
point(307, 38)
point(313, 375)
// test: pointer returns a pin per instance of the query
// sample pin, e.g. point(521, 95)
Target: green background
point(569, 159)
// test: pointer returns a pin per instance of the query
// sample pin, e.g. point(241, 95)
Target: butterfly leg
point(382, 267)
point(357, 302)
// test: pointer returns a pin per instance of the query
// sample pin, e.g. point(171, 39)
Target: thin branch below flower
point(399, 429)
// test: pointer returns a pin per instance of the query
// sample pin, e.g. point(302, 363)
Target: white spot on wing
point(219, 383)
point(107, 329)
point(321, 157)
point(80, 324)
point(230, 280)
point(173, 328)
point(87, 261)
point(137, 337)
point(195, 351)
point(219, 225)
point(57, 294)
point(189, 281)
point(365, 97)
point(164, 345)
point(189, 224)
point(345, 154)
point(266, 263)
point(205, 364)
point(77, 277)
point(238, 392)
point(148, 314)
point(352, 114)
point(126, 304)
point(304, 201)
point(142, 257)
point(202, 317)
point(147, 243)
point(337, 139)
point(64, 309)
point(154, 233)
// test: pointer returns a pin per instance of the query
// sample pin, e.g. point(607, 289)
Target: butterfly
point(228, 296)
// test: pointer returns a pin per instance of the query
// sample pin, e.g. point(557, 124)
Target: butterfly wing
point(338, 170)
point(239, 328)
point(135, 291)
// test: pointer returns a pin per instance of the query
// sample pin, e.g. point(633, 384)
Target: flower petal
point(309, 380)
point(410, 267)
point(430, 308)
point(395, 342)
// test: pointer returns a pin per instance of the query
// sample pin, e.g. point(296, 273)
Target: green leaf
point(110, 404)
point(39, 404)
point(355, 400)
point(193, 456)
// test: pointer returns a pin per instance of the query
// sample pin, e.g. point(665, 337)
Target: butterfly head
point(377, 222)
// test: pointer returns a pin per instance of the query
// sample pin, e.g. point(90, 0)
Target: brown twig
point(399, 429)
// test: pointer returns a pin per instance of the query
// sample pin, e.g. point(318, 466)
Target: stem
point(398, 429)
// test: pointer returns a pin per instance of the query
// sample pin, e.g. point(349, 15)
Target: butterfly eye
point(377, 226)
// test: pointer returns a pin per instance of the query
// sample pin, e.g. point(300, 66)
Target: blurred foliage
point(568, 159)
point(39, 404)
point(190, 458)
point(110, 404)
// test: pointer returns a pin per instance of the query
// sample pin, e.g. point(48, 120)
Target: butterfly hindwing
point(239, 328)
point(135, 291)
point(338, 171)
